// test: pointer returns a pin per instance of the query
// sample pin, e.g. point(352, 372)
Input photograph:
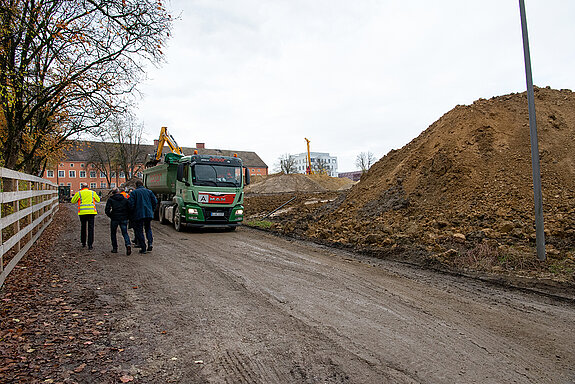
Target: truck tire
point(177, 219)
point(162, 214)
point(157, 212)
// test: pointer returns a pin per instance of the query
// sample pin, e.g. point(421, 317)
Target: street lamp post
point(538, 199)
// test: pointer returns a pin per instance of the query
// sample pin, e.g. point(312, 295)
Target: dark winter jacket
point(142, 203)
point(117, 207)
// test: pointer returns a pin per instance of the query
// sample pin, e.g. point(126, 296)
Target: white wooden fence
point(28, 204)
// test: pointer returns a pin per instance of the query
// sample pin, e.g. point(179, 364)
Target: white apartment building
point(319, 161)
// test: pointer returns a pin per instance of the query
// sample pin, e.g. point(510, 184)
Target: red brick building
point(80, 165)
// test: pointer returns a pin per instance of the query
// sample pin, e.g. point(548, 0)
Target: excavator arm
point(165, 138)
point(308, 170)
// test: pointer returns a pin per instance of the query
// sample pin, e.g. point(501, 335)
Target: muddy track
point(249, 307)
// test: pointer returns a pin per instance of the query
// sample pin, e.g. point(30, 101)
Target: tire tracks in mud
point(249, 307)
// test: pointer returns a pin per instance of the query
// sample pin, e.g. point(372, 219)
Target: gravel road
point(250, 307)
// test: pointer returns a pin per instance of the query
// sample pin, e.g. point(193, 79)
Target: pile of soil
point(460, 194)
point(282, 183)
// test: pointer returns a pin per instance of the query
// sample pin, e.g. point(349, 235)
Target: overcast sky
point(352, 76)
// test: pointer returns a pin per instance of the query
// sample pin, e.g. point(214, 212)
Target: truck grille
point(215, 214)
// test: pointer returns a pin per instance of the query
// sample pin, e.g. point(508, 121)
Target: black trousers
point(87, 221)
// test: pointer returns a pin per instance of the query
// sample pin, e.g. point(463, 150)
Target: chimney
point(200, 145)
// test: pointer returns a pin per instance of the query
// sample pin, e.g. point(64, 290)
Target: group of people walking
point(134, 208)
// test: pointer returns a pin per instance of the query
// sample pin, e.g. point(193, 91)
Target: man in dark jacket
point(142, 205)
point(117, 209)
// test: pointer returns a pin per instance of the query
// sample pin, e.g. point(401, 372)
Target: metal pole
point(538, 199)
point(281, 206)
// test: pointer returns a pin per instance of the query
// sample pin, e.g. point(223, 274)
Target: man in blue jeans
point(142, 205)
point(117, 209)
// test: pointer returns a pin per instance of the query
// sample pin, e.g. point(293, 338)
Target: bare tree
point(320, 167)
point(103, 158)
point(286, 164)
point(127, 134)
point(364, 161)
point(67, 66)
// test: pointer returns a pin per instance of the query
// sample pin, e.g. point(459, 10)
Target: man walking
point(142, 205)
point(117, 209)
point(86, 200)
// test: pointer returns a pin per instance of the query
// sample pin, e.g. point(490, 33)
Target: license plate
point(217, 214)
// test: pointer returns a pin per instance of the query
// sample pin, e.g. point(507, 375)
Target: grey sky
point(352, 76)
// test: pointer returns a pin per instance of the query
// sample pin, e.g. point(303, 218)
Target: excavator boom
point(165, 138)
point(308, 170)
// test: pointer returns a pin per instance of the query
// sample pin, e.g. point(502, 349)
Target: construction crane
point(165, 138)
point(308, 170)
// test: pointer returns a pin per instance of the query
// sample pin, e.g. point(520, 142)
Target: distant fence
point(28, 204)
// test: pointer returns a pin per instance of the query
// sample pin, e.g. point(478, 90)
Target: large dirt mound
point(282, 183)
point(461, 193)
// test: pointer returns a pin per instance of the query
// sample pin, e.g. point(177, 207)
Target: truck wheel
point(177, 219)
point(162, 214)
point(157, 212)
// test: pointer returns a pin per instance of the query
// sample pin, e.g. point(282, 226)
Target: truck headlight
point(192, 211)
point(239, 212)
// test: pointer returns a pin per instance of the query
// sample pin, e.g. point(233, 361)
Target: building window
point(92, 185)
point(102, 174)
point(72, 173)
point(82, 165)
point(49, 173)
point(122, 175)
point(69, 184)
point(92, 174)
point(140, 174)
point(62, 184)
point(71, 165)
point(103, 184)
point(112, 185)
point(61, 174)
point(82, 173)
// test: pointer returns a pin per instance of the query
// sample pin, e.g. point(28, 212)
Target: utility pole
point(538, 199)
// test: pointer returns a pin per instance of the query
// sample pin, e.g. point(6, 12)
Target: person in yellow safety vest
point(86, 200)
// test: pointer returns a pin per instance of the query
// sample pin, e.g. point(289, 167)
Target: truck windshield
point(217, 175)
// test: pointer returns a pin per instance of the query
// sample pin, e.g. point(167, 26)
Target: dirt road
point(249, 307)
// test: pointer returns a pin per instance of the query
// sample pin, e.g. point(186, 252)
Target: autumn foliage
point(67, 67)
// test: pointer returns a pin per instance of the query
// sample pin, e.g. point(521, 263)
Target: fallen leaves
point(51, 328)
point(126, 378)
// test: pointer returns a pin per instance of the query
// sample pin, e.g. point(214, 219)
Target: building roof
point(85, 150)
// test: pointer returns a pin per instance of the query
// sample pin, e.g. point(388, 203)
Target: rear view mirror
point(247, 177)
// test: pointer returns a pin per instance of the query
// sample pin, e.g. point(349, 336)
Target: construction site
point(423, 271)
point(458, 197)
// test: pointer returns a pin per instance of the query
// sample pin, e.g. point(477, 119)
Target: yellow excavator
point(165, 138)
point(308, 170)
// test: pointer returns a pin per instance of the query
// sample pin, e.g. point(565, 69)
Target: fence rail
point(28, 204)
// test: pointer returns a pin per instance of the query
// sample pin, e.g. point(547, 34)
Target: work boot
point(149, 248)
point(115, 250)
point(143, 250)
point(128, 250)
point(90, 247)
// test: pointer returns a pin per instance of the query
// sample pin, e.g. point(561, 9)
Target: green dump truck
point(198, 190)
